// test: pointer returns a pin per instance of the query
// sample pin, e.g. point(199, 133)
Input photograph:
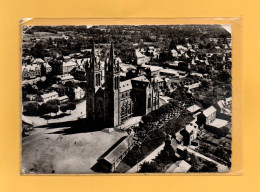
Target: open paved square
point(50, 151)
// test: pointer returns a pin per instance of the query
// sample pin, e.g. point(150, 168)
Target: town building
point(79, 93)
point(208, 120)
point(48, 96)
point(186, 135)
point(65, 78)
point(224, 108)
point(63, 99)
point(68, 66)
point(30, 71)
point(115, 154)
point(114, 101)
point(178, 167)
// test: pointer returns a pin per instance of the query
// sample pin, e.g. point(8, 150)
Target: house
point(169, 72)
point(223, 109)
point(188, 134)
point(155, 70)
point(194, 109)
point(48, 96)
point(208, 120)
point(65, 78)
point(63, 99)
point(68, 66)
point(46, 68)
point(207, 116)
point(140, 58)
point(179, 167)
point(79, 93)
point(174, 53)
point(192, 86)
point(30, 71)
point(115, 154)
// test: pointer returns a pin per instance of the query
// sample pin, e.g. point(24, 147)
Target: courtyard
point(53, 150)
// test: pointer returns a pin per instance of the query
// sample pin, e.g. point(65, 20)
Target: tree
point(71, 106)
point(209, 167)
point(31, 109)
point(53, 102)
point(147, 118)
point(195, 163)
point(204, 84)
point(63, 108)
point(44, 109)
point(54, 108)
point(149, 167)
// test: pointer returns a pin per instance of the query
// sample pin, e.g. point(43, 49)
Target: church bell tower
point(112, 83)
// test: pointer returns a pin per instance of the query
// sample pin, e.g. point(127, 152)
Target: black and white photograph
point(126, 99)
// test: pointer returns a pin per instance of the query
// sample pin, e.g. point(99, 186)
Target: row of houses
point(35, 68)
point(210, 119)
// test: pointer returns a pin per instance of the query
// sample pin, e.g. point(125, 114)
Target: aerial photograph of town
point(126, 99)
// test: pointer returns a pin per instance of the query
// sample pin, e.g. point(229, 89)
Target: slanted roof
point(182, 167)
point(44, 96)
point(139, 54)
point(38, 60)
point(193, 108)
point(179, 167)
point(67, 77)
point(69, 63)
point(46, 65)
point(63, 98)
point(140, 78)
point(125, 85)
point(207, 112)
point(114, 152)
point(153, 68)
point(189, 128)
point(179, 136)
point(158, 79)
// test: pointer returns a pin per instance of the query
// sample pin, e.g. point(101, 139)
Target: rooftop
point(114, 152)
point(67, 77)
point(193, 108)
point(141, 78)
point(69, 63)
point(179, 167)
point(207, 112)
point(44, 96)
point(63, 97)
point(219, 123)
point(125, 85)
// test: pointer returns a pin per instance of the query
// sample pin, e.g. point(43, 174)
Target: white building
point(48, 96)
point(79, 93)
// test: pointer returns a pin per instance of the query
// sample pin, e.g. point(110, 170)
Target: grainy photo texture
point(126, 99)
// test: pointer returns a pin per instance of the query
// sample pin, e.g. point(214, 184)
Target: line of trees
point(51, 106)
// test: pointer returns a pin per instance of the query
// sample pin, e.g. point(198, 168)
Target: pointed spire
point(112, 54)
point(93, 57)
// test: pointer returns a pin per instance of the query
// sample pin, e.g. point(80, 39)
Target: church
point(111, 100)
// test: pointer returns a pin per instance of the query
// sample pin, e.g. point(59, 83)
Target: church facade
point(109, 100)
